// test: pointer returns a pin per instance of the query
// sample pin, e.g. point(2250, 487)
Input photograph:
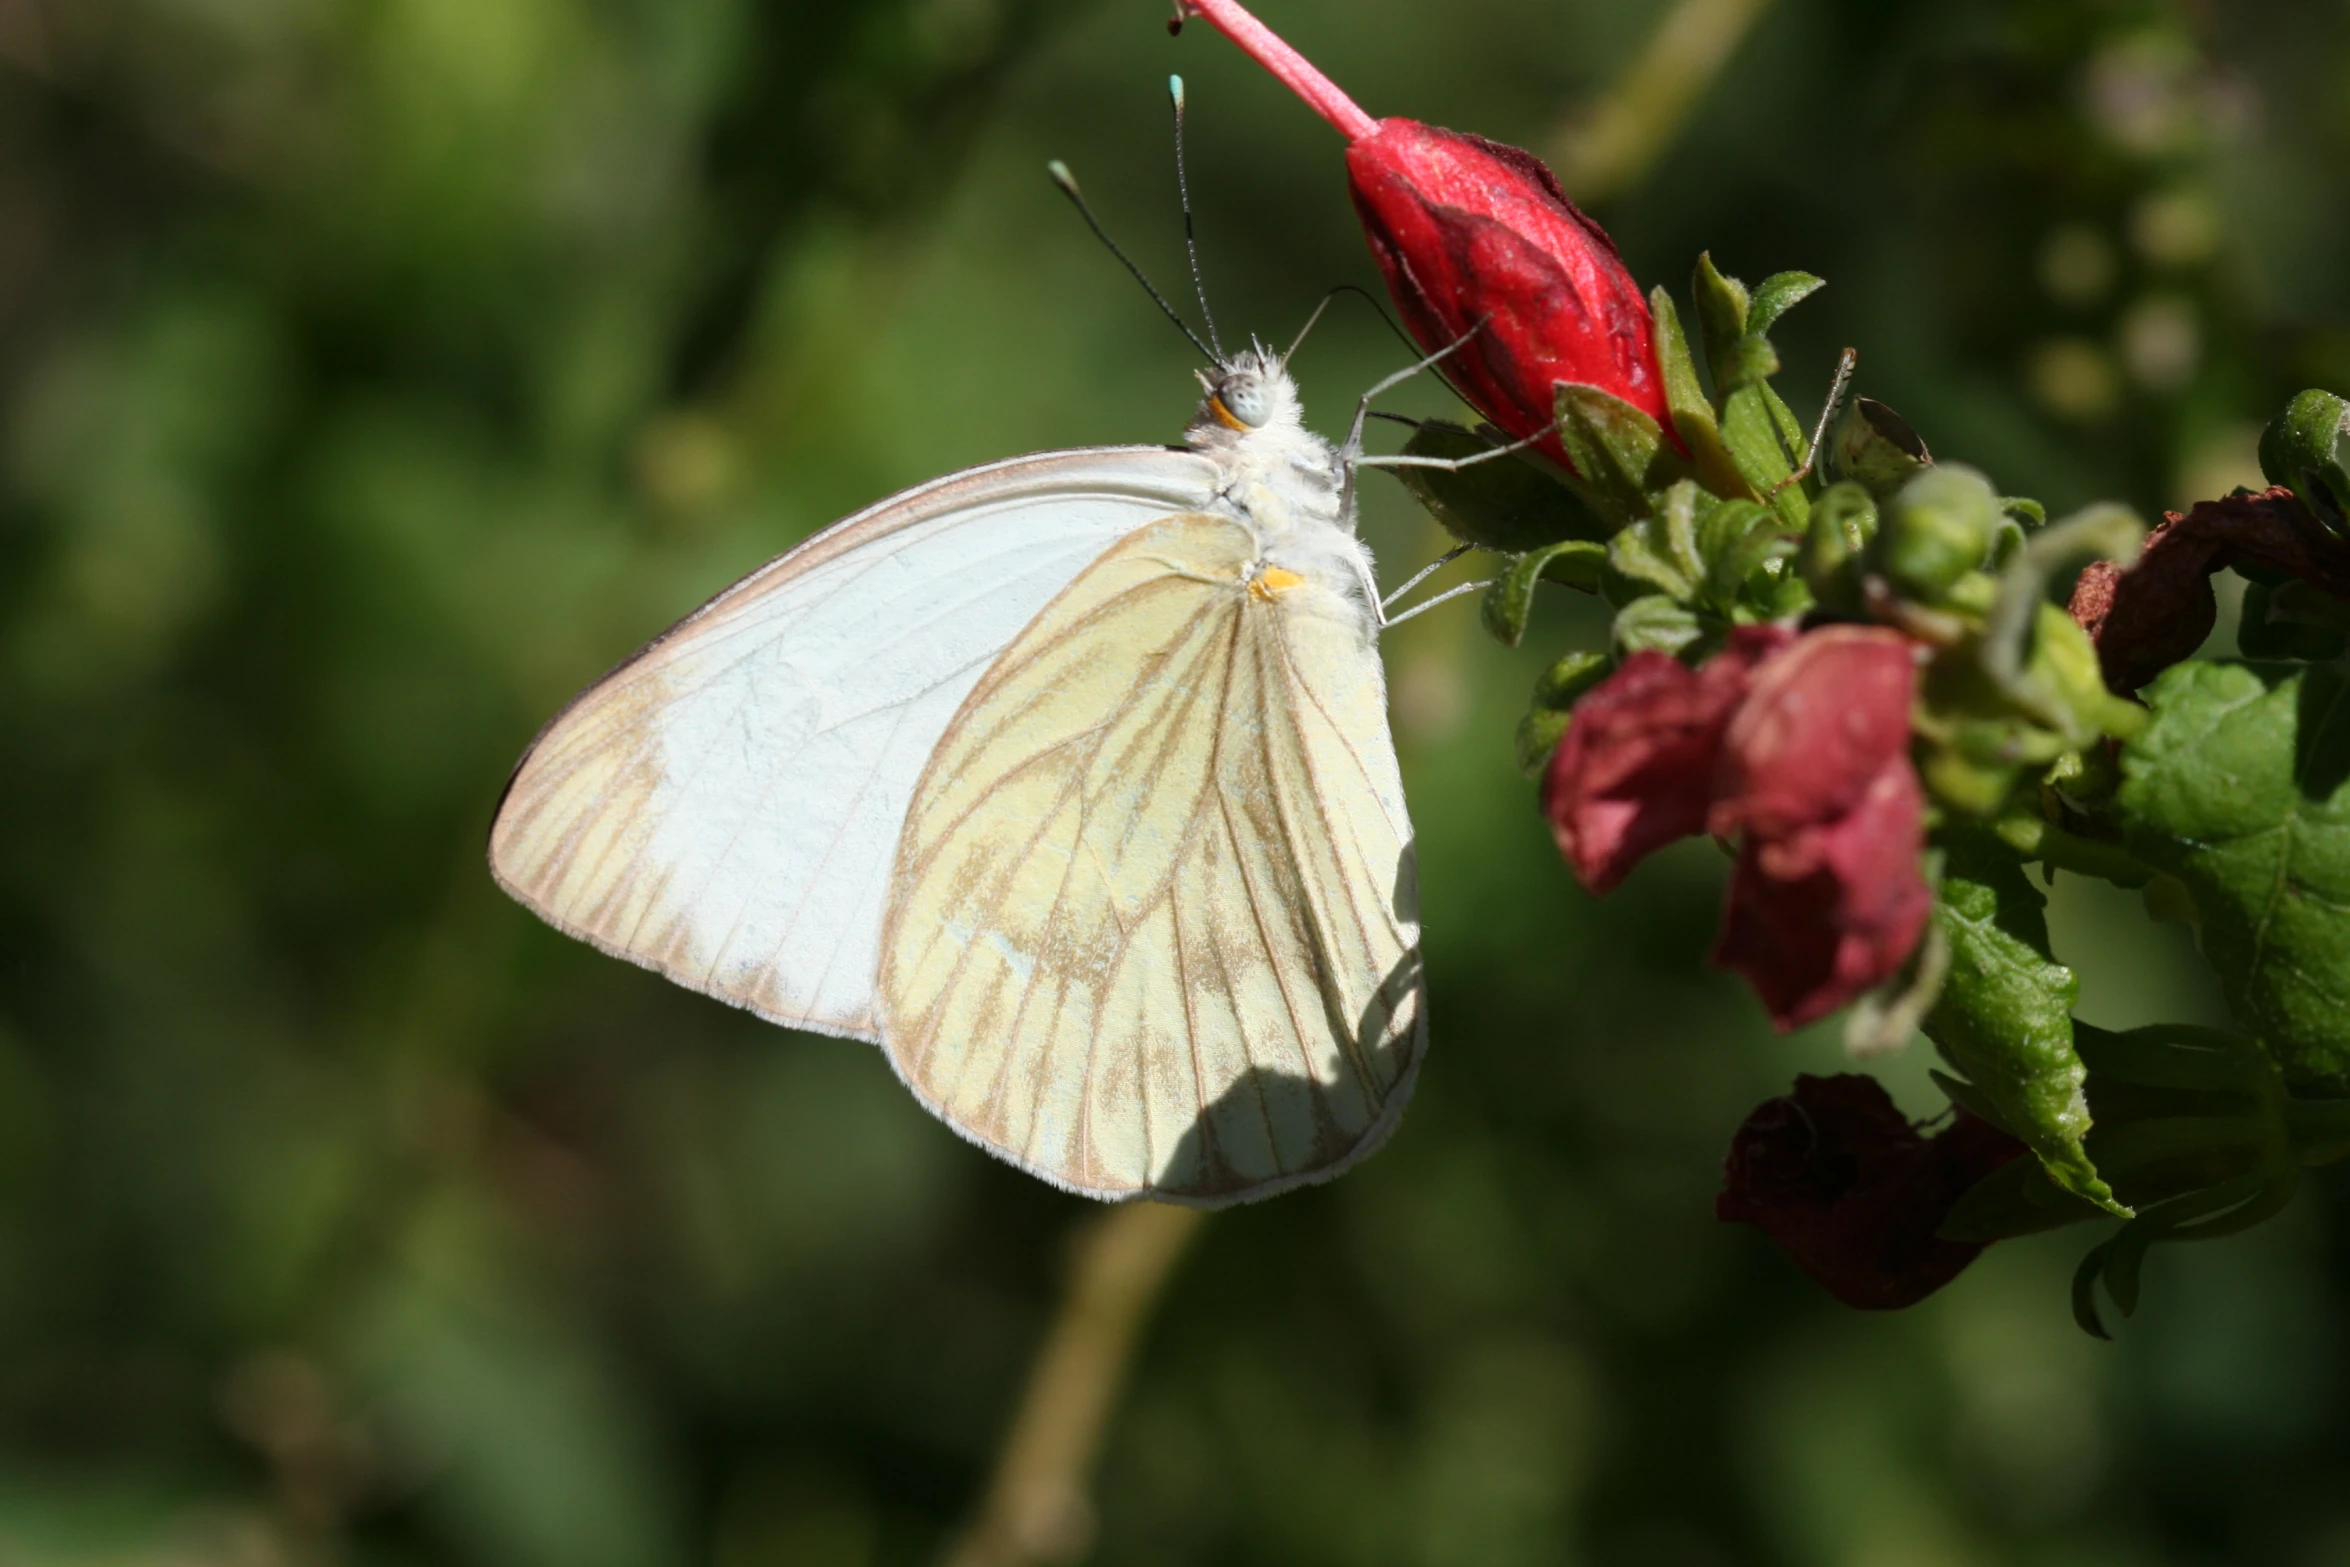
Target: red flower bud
point(1467, 231)
point(1635, 769)
point(1853, 1193)
point(1470, 231)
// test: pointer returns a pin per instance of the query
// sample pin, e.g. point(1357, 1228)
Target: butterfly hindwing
point(1153, 926)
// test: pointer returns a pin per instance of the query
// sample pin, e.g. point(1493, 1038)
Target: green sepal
point(1722, 305)
point(1876, 449)
point(1619, 454)
point(1655, 624)
point(1539, 731)
point(1556, 691)
point(2004, 1019)
point(2239, 787)
point(1505, 504)
point(1767, 442)
point(1562, 685)
point(1660, 553)
point(1692, 414)
point(1508, 603)
point(1738, 540)
point(1843, 521)
point(1777, 294)
point(2035, 655)
point(2306, 448)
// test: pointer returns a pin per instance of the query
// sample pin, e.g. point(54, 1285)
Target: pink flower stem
point(1257, 41)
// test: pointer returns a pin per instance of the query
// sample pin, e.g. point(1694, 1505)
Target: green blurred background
point(374, 373)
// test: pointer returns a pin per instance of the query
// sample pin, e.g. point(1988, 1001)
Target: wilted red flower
point(1853, 1192)
point(1829, 911)
point(1635, 769)
point(1799, 743)
point(2158, 612)
point(1477, 237)
point(1827, 900)
point(1819, 723)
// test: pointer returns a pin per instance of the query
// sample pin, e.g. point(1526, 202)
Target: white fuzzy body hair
point(1287, 483)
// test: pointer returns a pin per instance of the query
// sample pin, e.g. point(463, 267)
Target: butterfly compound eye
point(1241, 401)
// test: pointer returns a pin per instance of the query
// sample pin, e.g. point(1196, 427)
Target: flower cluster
point(1866, 685)
point(1799, 745)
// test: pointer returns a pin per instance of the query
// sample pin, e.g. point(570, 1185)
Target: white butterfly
point(1066, 780)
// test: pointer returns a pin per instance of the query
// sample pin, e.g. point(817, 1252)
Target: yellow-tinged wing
point(1153, 924)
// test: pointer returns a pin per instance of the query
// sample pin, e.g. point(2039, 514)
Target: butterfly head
point(1250, 394)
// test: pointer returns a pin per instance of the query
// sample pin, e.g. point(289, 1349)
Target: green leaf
point(1659, 552)
point(1777, 294)
point(2240, 788)
point(2270, 628)
point(1505, 504)
point(1556, 690)
point(1619, 453)
point(1655, 624)
point(1692, 413)
point(2005, 1015)
point(2016, 1199)
point(1507, 604)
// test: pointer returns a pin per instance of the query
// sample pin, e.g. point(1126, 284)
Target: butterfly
point(1066, 780)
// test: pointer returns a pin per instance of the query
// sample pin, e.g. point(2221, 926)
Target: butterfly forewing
point(723, 807)
point(1153, 924)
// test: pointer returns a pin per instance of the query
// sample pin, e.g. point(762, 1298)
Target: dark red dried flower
point(1854, 1193)
point(2159, 611)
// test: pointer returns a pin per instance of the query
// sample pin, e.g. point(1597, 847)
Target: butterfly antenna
point(1199, 287)
point(1298, 341)
point(1068, 183)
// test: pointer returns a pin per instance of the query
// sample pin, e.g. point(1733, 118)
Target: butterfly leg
point(1354, 435)
point(1845, 364)
point(1425, 572)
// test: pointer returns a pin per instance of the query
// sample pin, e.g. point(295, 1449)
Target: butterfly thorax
point(1284, 482)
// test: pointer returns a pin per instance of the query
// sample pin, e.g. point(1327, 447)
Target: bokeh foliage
point(373, 374)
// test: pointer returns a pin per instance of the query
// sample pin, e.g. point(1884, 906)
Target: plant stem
point(1036, 1512)
point(1290, 68)
point(1616, 141)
